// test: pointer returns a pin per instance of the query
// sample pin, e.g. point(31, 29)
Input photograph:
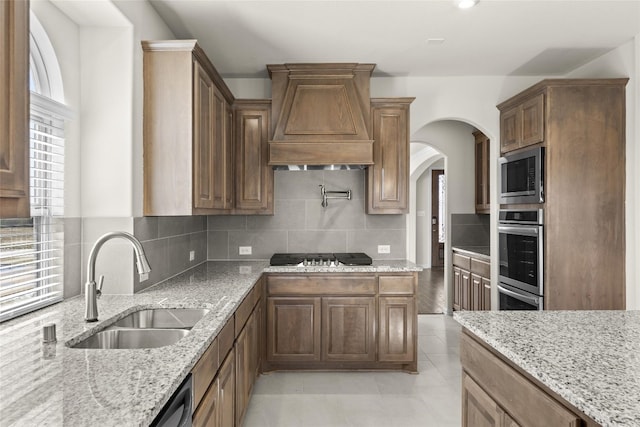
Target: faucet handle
point(99, 285)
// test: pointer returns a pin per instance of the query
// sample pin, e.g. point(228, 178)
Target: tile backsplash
point(167, 242)
point(470, 230)
point(301, 224)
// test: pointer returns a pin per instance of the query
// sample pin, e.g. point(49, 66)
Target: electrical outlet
point(384, 249)
point(192, 255)
point(244, 250)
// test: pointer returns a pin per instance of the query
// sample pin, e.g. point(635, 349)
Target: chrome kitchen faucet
point(92, 290)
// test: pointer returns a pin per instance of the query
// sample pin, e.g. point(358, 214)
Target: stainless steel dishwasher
point(177, 411)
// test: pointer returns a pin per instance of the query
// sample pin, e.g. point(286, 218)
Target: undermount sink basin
point(115, 338)
point(163, 318)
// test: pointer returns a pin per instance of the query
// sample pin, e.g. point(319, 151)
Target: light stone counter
point(378, 266)
point(589, 358)
point(60, 386)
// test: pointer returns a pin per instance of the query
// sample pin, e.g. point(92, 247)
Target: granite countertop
point(589, 358)
point(482, 252)
point(52, 384)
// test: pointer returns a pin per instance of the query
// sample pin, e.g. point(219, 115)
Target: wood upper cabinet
point(293, 329)
point(348, 329)
point(482, 154)
point(388, 177)
point(523, 124)
point(188, 153)
point(14, 109)
point(254, 177)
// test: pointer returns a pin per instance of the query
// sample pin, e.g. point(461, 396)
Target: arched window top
point(45, 77)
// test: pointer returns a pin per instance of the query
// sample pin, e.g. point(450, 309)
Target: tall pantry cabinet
point(581, 124)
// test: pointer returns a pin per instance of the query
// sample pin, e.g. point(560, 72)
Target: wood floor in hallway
point(431, 291)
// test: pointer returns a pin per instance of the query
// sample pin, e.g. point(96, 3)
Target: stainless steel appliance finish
point(320, 259)
point(114, 338)
point(163, 318)
point(522, 177)
point(521, 257)
point(511, 298)
point(178, 410)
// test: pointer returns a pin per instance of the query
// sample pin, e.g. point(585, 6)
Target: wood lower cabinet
point(293, 329)
point(471, 283)
point(227, 392)
point(397, 320)
point(494, 393)
point(14, 109)
point(388, 178)
point(341, 321)
point(348, 329)
point(246, 350)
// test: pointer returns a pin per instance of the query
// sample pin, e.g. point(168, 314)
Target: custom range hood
point(321, 115)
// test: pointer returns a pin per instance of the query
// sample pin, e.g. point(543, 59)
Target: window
point(31, 250)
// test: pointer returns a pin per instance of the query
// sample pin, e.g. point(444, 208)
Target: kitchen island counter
point(591, 359)
point(52, 384)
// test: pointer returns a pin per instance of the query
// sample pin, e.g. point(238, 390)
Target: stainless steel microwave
point(522, 177)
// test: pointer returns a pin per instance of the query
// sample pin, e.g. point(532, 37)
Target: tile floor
point(371, 399)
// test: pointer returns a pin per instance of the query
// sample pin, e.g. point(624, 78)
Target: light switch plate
point(244, 250)
point(192, 255)
point(384, 249)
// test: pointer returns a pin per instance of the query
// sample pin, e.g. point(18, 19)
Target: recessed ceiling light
point(466, 4)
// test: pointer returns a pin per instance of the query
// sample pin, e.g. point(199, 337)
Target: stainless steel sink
point(115, 338)
point(163, 318)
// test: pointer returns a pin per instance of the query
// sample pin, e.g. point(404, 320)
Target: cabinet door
point(388, 177)
point(457, 288)
point(465, 285)
point(482, 173)
point(348, 329)
point(245, 369)
point(208, 414)
point(510, 131)
point(476, 292)
point(507, 421)
point(229, 190)
point(478, 408)
point(14, 109)
point(293, 329)
point(226, 391)
point(397, 329)
point(486, 294)
point(532, 112)
point(203, 129)
point(254, 177)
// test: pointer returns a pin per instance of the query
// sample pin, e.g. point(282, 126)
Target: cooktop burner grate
point(320, 259)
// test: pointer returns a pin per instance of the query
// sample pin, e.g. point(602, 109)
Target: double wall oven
point(521, 259)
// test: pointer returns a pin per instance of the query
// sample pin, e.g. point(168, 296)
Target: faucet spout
point(92, 289)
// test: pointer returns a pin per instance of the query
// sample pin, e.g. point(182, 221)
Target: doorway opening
point(438, 217)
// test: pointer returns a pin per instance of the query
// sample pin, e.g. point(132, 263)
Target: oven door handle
point(527, 231)
point(535, 300)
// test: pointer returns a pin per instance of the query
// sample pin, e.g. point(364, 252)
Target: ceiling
point(497, 37)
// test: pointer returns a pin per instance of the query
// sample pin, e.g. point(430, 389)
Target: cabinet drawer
point(244, 311)
point(528, 404)
point(396, 285)
point(481, 268)
point(204, 372)
point(321, 285)
point(462, 261)
point(225, 339)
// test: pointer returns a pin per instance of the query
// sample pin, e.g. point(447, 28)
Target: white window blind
point(31, 250)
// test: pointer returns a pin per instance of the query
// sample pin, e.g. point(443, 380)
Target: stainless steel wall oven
point(521, 259)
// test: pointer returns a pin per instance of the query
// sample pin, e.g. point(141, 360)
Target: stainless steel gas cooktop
point(321, 259)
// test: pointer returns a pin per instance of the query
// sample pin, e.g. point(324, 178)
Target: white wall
point(625, 62)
